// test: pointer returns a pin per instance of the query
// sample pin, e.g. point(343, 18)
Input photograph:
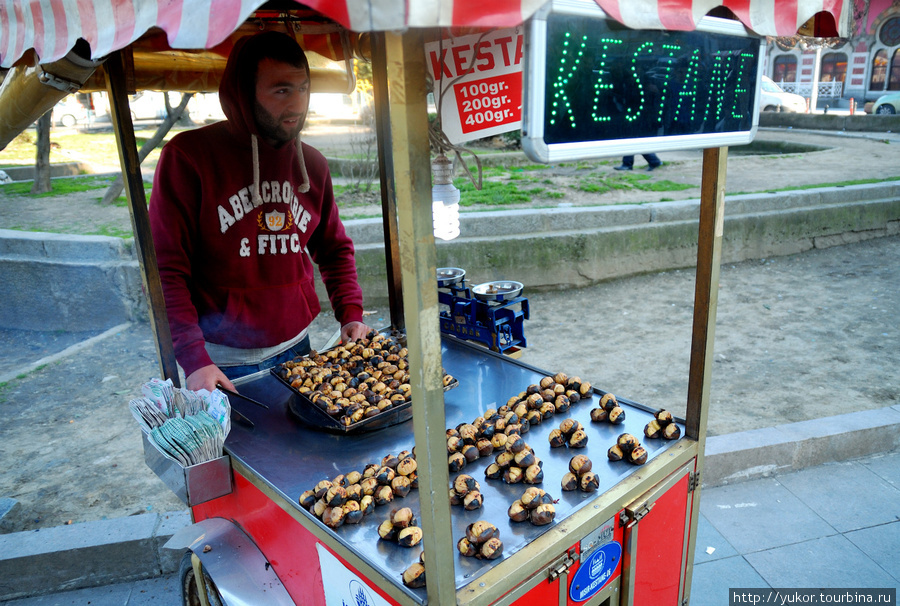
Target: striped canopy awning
point(52, 27)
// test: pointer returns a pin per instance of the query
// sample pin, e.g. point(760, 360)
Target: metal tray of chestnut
point(353, 388)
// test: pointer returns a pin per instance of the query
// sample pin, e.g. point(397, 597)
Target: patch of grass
point(492, 193)
point(802, 187)
point(662, 185)
point(109, 230)
point(61, 187)
point(553, 195)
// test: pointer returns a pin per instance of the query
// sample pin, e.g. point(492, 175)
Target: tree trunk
point(172, 116)
point(41, 183)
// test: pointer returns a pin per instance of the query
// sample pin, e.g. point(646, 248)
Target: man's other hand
point(353, 330)
point(208, 378)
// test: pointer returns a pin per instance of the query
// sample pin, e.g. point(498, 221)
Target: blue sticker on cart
point(595, 571)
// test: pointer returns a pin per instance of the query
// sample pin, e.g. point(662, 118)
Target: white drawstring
point(257, 199)
point(304, 187)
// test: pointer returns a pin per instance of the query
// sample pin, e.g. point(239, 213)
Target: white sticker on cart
point(342, 586)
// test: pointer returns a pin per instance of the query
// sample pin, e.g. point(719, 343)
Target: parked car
point(886, 105)
point(773, 99)
point(69, 112)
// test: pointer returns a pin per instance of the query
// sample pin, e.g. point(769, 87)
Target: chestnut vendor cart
point(628, 542)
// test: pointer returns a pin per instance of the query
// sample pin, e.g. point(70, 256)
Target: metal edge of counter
point(539, 554)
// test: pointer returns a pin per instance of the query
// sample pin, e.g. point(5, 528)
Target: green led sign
point(594, 88)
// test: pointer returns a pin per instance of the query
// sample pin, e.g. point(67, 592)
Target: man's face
point(282, 99)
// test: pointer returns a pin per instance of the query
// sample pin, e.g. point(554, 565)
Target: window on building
point(890, 32)
point(879, 70)
point(784, 69)
point(894, 77)
point(834, 67)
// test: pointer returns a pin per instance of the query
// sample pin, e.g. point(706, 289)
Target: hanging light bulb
point(444, 199)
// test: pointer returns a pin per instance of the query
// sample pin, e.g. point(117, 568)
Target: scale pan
point(498, 290)
point(448, 276)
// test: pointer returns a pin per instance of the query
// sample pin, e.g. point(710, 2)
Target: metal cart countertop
point(291, 457)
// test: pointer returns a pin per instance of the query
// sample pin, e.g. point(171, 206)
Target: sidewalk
point(832, 526)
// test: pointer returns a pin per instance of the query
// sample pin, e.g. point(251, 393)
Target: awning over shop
point(52, 27)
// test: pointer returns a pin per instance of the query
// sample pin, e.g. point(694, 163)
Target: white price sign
point(487, 99)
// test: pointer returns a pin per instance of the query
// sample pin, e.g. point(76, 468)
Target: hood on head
point(237, 90)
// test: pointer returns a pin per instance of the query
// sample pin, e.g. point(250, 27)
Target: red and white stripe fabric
point(51, 27)
point(765, 17)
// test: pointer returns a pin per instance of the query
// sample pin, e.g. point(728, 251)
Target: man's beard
point(272, 128)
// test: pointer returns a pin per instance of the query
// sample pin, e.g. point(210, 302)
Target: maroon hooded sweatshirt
point(235, 266)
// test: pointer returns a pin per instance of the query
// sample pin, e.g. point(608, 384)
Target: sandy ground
point(797, 338)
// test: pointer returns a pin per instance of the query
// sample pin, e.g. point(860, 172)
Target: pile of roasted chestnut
point(482, 541)
point(534, 505)
point(348, 497)
point(580, 476)
point(663, 426)
point(401, 527)
point(516, 463)
point(628, 448)
point(466, 492)
point(609, 411)
point(570, 433)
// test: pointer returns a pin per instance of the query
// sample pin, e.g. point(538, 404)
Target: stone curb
point(98, 553)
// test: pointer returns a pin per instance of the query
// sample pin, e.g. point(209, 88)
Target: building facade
point(862, 67)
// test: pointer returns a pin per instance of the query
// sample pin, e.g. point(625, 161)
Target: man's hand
point(353, 330)
point(208, 378)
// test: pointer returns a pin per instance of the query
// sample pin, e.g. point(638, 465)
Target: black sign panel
point(596, 88)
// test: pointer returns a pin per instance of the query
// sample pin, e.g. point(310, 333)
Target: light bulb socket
point(441, 170)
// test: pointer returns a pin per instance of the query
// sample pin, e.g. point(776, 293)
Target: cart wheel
point(190, 596)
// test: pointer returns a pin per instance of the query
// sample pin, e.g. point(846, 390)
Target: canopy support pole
point(120, 113)
point(706, 300)
point(405, 64)
point(388, 185)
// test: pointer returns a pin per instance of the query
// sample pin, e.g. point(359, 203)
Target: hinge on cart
point(693, 481)
point(560, 567)
point(630, 518)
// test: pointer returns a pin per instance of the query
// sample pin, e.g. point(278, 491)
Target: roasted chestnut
point(616, 415)
point(615, 453)
point(580, 464)
point(569, 481)
point(557, 438)
point(599, 415)
point(463, 484)
point(515, 443)
point(473, 500)
point(513, 475)
point(531, 498)
point(579, 439)
point(407, 466)
point(307, 499)
point(638, 456)
point(517, 512)
point(456, 461)
point(491, 549)
point(493, 471)
point(589, 482)
point(414, 576)
point(333, 517)
point(569, 426)
point(652, 429)
point(543, 514)
point(534, 474)
point(524, 458)
point(400, 486)
point(335, 496)
point(505, 459)
point(402, 517)
point(467, 547)
point(672, 431)
point(387, 531)
point(627, 442)
point(664, 417)
point(384, 495)
point(352, 513)
point(410, 536)
point(321, 488)
point(481, 531)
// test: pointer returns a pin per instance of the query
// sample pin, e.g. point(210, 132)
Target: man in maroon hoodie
point(239, 212)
